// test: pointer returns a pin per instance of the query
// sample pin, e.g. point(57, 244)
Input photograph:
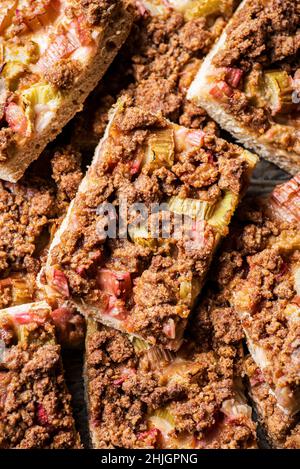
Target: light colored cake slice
point(146, 397)
point(280, 429)
point(144, 280)
point(267, 298)
point(245, 86)
point(35, 406)
point(53, 53)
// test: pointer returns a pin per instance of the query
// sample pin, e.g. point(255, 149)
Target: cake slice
point(30, 212)
point(275, 428)
point(280, 429)
point(267, 299)
point(35, 407)
point(249, 83)
point(141, 397)
point(52, 54)
point(138, 238)
point(156, 66)
point(227, 316)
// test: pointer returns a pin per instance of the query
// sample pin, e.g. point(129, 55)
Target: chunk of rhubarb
point(136, 166)
point(60, 48)
point(187, 139)
point(60, 283)
point(150, 437)
point(28, 317)
point(6, 14)
point(61, 317)
point(169, 329)
point(83, 32)
point(16, 119)
point(42, 415)
point(233, 76)
point(125, 374)
point(221, 91)
point(117, 284)
point(116, 308)
point(257, 378)
point(285, 199)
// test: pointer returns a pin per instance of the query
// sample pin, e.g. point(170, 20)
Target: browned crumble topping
point(25, 211)
point(125, 387)
point(263, 37)
point(276, 37)
point(293, 440)
point(156, 65)
point(30, 212)
point(156, 278)
point(281, 430)
point(251, 254)
point(97, 11)
point(63, 74)
point(35, 409)
point(271, 290)
point(30, 207)
point(67, 174)
point(170, 51)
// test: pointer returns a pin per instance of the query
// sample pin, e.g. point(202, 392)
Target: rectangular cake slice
point(267, 298)
point(280, 429)
point(30, 211)
point(157, 64)
point(35, 406)
point(249, 83)
point(260, 306)
point(277, 428)
point(137, 241)
point(146, 397)
point(52, 54)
